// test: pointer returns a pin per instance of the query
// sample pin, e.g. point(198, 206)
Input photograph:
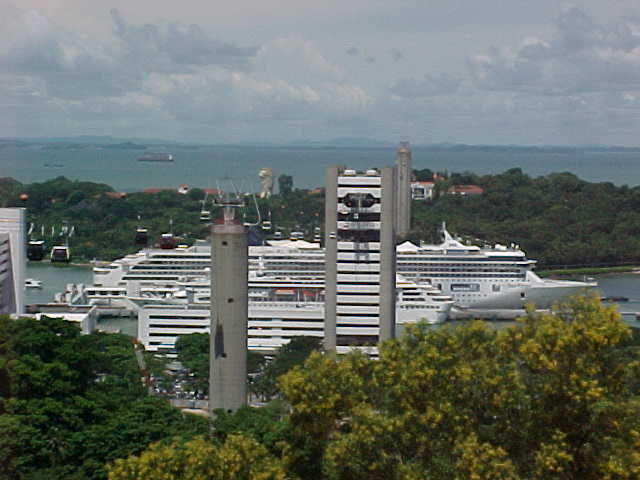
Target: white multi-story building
point(12, 260)
point(422, 191)
point(360, 258)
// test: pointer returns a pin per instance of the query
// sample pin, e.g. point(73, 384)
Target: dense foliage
point(557, 219)
point(69, 403)
point(263, 371)
point(105, 224)
point(554, 397)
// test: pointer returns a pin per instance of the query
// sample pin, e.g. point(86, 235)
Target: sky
point(428, 71)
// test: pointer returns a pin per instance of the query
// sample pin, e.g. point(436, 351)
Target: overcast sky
point(489, 71)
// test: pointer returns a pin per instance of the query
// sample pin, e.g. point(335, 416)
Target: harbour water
point(55, 279)
point(202, 166)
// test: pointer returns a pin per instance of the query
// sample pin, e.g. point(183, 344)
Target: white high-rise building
point(13, 260)
point(360, 258)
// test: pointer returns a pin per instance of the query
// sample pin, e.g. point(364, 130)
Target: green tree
point(294, 353)
point(285, 185)
point(72, 402)
point(238, 458)
point(554, 397)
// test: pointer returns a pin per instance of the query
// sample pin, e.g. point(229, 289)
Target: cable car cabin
point(205, 216)
point(60, 253)
point(266, 225)
point(142, 237)
point(168, 241)
point(35, 250)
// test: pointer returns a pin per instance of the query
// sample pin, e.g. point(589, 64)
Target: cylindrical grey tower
point(229, 276)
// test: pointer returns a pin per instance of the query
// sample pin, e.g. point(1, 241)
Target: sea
point(208, 166)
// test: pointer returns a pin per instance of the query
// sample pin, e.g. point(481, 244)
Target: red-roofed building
point(116, 194)
point(465, 190)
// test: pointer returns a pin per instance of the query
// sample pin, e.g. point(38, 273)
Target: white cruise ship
point(492, 278)
point(475, 277)
point(279, 308)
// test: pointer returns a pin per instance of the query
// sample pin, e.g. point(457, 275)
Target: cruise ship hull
point(541, 295)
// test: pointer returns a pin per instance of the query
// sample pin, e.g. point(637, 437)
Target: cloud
point(296, 60)
point(66, 65)
point(176, 46)
point(581, 56)
point(430, 85)
point(396, 54)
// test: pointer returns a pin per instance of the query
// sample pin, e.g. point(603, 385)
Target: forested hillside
point(557, 219)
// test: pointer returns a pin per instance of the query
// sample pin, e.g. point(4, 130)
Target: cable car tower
point(229, 307)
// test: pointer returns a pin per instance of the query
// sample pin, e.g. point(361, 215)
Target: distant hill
point(107, 141)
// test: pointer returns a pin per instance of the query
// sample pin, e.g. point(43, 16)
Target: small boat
point(33, 283)
point(614, 299)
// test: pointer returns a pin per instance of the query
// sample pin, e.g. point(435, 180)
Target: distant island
point(107, 142)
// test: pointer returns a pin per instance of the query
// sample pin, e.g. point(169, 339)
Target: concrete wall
point(331, 255)
point(388, 255)
point(229, 313)
point(403, 190)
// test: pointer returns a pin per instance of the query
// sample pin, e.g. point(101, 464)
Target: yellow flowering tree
point(552, 397)
point(239, 458)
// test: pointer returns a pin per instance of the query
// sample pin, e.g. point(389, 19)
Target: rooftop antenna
point(229, 306)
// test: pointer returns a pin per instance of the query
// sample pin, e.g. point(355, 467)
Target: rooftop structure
point(465, 190)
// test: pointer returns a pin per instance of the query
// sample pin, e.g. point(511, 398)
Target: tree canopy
point(71, 402)
point(553, 397)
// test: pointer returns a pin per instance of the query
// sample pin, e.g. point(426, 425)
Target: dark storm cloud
point(428, 86)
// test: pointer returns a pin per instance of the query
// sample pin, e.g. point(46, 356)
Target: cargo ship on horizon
point(156, 157)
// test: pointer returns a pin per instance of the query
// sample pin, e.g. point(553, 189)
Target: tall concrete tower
point(360, 258)
point(13, 260)
point(229, 310)
point(403, 189)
